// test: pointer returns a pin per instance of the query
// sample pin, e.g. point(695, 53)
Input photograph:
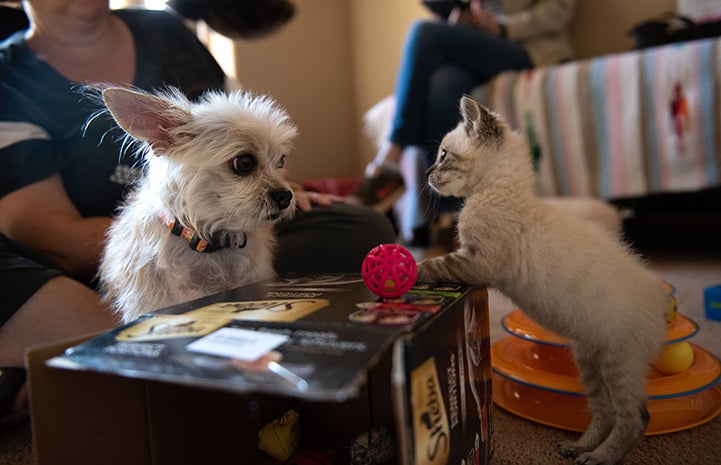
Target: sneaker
point(380, 188)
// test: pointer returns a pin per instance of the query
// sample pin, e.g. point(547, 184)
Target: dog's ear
point(144, 116)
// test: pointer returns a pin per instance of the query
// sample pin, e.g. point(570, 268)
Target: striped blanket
point(621, 125)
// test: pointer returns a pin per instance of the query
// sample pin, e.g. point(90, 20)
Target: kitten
point(570, 276)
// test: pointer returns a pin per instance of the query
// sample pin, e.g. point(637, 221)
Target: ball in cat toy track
point(389, 270)
point(675, 358)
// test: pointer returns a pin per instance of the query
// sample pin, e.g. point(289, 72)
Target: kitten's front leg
point(452, 267)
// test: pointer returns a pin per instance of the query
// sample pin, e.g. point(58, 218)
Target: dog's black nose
point(281, 197)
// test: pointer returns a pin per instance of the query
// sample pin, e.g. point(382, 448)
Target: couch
point(621, 125)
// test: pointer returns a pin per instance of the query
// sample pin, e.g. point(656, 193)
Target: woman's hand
point(306, 199)
point(475, 16)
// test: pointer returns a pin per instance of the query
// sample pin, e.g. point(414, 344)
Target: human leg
point(37, 305)
point(430, 46)
point(446, 87)
point(330, 239)
point(62, 308)
point(421, 206)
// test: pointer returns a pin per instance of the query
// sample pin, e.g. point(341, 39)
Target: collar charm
point(195, 242)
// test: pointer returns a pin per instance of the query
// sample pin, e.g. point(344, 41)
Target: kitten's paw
point(589, 458)
point(423, 273)
point(569, 449)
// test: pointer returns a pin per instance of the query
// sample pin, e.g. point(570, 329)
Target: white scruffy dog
point(200, 219)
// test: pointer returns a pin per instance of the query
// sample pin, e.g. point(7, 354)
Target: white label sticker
point(243, 344)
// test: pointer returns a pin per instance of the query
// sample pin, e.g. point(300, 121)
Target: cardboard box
point(348, 362)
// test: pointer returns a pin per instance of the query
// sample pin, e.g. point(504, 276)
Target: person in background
point(445, 58)
point(63, 173)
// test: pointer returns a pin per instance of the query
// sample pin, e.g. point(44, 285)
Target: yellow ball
point(675, 358)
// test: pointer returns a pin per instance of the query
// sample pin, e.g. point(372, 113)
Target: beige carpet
point(521, 442)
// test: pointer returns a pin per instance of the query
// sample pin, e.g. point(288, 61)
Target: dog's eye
point(442, 155)
point(243, 163)
point(281, 162)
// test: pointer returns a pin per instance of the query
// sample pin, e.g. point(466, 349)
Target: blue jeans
point(439, 64)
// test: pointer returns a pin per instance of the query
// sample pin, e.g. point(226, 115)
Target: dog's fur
point(567, 274)
point(216, 166)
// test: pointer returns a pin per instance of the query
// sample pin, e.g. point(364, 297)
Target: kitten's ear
point(478, 121)
point(470, 111)
point(144, 116)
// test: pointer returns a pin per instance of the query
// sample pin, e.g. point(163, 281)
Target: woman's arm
point(42, 217)
point(542, 17)
point(475, 16)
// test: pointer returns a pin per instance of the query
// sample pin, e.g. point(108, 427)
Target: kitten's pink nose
point(281, 197)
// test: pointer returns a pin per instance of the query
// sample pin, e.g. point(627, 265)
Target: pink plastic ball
point(389, 270)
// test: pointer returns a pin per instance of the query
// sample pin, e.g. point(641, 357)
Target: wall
point(307, 67)
point(602, 27)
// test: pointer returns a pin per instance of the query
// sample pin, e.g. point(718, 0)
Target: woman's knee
point(423, 34)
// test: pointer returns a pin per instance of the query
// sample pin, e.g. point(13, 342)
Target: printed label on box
point(430, 421)
point(237, 343)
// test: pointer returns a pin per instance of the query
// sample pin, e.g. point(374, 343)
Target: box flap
point(330, 329)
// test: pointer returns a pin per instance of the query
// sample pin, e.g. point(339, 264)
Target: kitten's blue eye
point(442, 156)
point(281, 162)
point(243, 163)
